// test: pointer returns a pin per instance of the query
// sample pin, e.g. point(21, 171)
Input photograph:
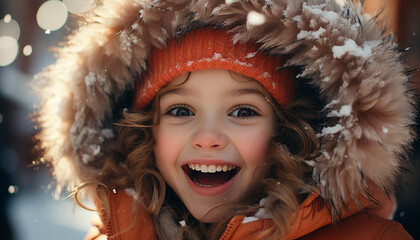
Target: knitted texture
point(213, 49)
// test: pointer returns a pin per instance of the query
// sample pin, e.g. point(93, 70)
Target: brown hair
point(286, 184)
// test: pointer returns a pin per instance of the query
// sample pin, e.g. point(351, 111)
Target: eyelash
point(248, 108)
point(245, 107)
point(179, 107)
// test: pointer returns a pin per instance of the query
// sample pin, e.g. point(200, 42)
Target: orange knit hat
point(208, 48)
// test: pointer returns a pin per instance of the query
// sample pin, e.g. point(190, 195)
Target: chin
point(211, 216)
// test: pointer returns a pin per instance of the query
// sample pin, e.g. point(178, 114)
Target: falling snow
point(7, 18)
point(255, 18)
point(13, 189)
point(27, 50)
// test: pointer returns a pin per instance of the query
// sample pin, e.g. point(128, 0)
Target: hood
point(356, 69)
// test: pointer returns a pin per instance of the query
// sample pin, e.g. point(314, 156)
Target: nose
point(208, 138)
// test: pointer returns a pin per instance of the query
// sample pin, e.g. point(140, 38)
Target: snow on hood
point(357, 70)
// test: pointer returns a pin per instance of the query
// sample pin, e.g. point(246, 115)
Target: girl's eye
point(180, 111)
point(244, 112)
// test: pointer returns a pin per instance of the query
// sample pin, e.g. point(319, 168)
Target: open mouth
point(210, 175)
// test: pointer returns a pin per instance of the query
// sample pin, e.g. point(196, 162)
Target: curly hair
point(288, 182)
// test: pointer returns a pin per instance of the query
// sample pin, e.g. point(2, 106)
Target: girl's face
point(212, 139)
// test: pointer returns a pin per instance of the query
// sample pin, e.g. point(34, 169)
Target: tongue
point(213, 179)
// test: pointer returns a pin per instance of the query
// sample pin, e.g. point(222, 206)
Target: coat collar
point(313, 215)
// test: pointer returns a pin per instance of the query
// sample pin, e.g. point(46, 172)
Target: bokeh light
point(9, 49)
point(78, 6)
point(13, 189)
point(52, 15)
point(7, 18)
point(9, 27)
point(27, 50)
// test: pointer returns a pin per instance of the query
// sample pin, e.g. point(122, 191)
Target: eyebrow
point(176, 91)
point(234, 92)
point(246, 91)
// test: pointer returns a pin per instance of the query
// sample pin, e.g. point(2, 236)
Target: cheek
point(167, 145)
point(253, 146)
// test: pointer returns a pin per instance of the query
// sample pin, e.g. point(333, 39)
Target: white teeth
point(210, 168)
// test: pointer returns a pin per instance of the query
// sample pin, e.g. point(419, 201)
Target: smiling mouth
point(210, 175)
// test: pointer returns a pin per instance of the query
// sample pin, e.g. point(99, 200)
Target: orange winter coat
point(343, 61)
point(313, 222)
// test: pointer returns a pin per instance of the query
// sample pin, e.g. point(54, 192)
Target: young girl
point(229, 120)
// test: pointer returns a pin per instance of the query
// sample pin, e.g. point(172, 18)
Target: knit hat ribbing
point(208, 48)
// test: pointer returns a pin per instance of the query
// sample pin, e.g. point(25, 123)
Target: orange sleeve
point(126, 224)
point(386, 202)
point(395, 232)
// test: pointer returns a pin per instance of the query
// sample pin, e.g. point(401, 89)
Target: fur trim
point(357, 69)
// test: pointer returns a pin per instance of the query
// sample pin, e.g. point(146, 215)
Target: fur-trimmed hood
point(356, 69)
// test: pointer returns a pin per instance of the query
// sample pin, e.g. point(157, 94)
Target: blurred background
point(28, 29)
